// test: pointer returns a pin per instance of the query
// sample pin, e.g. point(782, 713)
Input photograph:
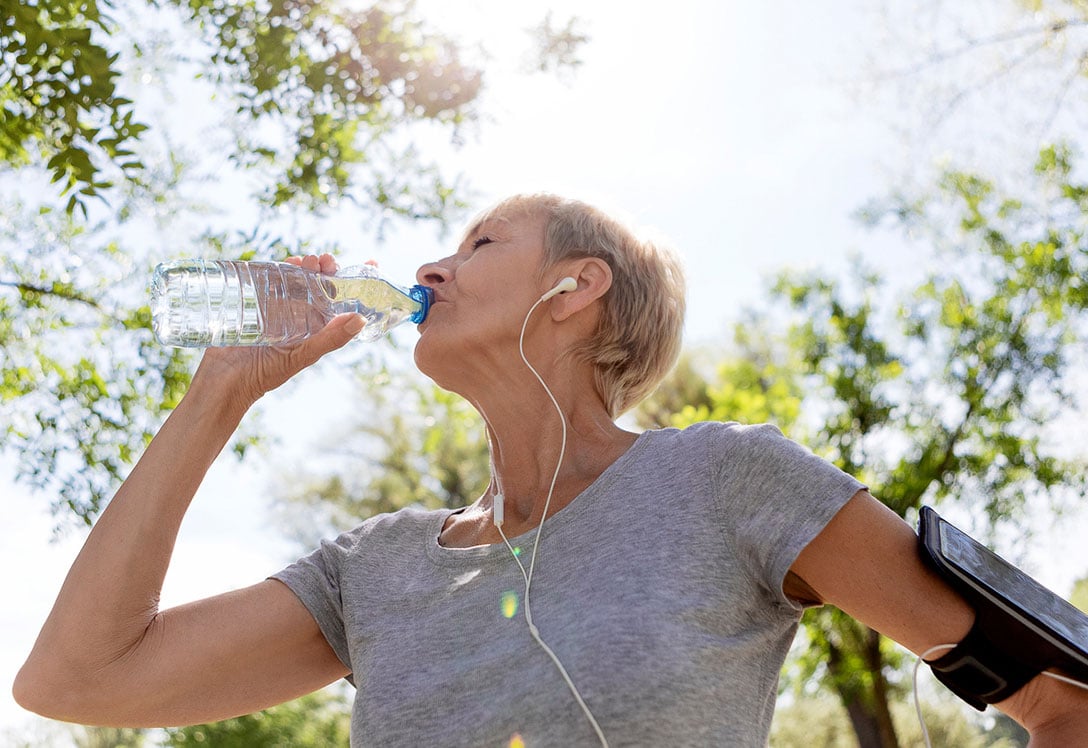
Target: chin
point(428, 356)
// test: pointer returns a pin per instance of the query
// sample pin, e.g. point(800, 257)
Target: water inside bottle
point(381, 304)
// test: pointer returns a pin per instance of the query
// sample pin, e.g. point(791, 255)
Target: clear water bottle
point(201, 303)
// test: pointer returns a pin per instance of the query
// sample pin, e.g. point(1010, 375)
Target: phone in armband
point(1021, 628)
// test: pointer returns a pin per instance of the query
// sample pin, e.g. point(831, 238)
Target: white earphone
point(563, 286)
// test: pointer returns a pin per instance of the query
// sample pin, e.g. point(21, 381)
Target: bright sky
point(724, 125)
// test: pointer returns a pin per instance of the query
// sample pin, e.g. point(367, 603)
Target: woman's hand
point(253, 371)
point(1055, 713)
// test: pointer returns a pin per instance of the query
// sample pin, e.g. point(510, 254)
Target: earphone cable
point(917, 700)
point(528, 575)
point(944, 647)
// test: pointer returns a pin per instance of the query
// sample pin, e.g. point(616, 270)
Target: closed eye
point(481, 241)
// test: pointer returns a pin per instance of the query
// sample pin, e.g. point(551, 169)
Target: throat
point(474, 525)
point(468, 529)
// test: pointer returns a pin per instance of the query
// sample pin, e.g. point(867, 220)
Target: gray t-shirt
point(659, 588)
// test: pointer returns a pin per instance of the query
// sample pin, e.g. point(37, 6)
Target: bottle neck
point(425, 297)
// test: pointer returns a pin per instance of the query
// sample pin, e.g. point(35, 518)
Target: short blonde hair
point(639, 332)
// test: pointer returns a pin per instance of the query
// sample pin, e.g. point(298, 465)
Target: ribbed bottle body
point(202, 303)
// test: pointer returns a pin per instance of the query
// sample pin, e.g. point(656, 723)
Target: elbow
point(27, 692)
point(35, 692)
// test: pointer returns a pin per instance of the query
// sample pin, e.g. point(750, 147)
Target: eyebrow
point(477, 228)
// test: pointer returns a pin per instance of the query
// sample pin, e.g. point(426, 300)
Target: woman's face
point(481, 293)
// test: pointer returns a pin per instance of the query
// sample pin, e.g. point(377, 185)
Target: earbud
point(563, 286)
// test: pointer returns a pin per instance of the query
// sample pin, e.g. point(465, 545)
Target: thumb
point(336, 334)
point(341, 329)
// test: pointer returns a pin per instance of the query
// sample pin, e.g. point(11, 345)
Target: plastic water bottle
point(201, 303)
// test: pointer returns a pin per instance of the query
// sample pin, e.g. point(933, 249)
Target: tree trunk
point(865, 699)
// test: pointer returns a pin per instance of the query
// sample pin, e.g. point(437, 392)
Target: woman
point(634, 589)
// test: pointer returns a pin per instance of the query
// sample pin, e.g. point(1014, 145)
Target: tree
point(975, 76)
point(316, 720)
point(58, 91)
point(304, 106)
point(950, 397)
point(819, 722)
point(335, 83)
point(418, 446)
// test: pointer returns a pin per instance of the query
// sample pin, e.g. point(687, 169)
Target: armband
point(1021, 628)
point(980, 671)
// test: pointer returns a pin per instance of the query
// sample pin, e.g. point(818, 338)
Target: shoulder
point(744, 457)
point(718, 439)
point(715, 431)
point(404, 525)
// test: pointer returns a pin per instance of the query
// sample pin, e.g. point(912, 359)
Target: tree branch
point(60, 291)
point(1048, 30)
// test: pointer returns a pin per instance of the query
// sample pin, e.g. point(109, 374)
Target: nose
point(433, 274)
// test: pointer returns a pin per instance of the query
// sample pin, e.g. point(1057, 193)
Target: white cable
point(917, 702)
point(943, 647)
point(1065, 679)
point(528, 575)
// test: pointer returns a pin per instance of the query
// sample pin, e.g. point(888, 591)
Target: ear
point(593, 276)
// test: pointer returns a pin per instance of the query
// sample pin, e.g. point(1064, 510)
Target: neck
point(527, 442)
point(525, 437)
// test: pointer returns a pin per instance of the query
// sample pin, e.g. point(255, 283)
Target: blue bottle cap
point(424, 296)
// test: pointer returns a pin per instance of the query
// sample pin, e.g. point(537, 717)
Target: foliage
point(76, 413)
point(992, 81)
point(317, 720)
point(820, 722)
point(1079, 595)
point(109, 737)
point(335, 85)
point(311, 105)
point(417, 446)
point(557, 48)
point(951, 395)
point(59, 94)
point(756, 384)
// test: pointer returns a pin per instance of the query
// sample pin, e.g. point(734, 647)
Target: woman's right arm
point(107, 654)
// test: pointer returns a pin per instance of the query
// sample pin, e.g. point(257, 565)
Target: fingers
point(323, 263)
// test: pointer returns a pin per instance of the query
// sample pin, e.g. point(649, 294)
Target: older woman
point(611, 587)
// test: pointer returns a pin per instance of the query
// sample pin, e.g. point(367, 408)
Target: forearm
point(110, 595)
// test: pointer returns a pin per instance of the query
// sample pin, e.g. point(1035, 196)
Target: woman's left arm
point(866, 563)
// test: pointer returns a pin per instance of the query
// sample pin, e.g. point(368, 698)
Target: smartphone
point(1042, 627)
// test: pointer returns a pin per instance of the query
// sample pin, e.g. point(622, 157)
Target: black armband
point(981, 672)
point(1021, 628)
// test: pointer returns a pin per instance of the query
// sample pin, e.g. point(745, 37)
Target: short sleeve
point(776, 496)
point(316, 581)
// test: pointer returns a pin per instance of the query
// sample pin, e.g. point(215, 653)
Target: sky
point(736, 129)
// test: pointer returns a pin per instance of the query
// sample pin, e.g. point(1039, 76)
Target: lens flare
point(509, 604)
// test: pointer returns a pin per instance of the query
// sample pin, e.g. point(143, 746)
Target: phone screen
point(1015, 588)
